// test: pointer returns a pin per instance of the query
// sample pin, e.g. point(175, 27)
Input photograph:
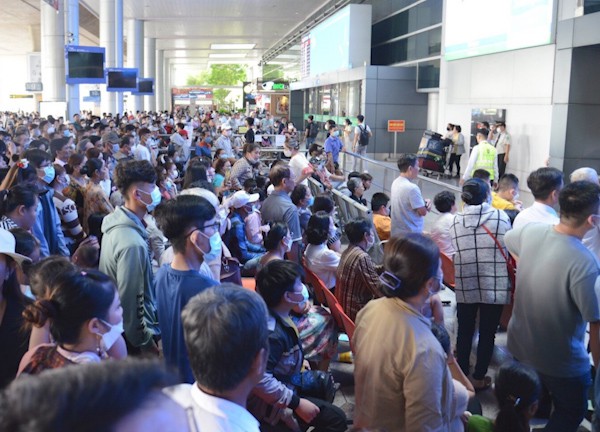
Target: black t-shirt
point(13, 340)
point(249, 135)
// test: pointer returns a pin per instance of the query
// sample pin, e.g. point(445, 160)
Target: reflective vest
point(486, 157)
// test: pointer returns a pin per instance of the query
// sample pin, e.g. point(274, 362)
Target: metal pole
point(395, 142)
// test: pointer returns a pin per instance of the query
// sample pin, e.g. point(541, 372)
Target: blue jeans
point(569, 400)
point(596, 418)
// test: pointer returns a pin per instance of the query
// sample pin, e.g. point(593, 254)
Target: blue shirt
point(174, 288)
point(333, 145)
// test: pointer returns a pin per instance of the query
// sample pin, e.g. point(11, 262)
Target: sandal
point(482, 384)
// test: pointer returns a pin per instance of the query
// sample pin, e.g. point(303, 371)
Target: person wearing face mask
point(247, 253)
point(321, 260)
point(402, 380)
point(482, 283)
point(47, 228)
point(224, 142)
point(246, 167)
point(299, 165)
point(124, 254)
point(277, 242)
point(189, 222)
point(333, 146)
point(254, 228)
point(86, 320)
point(357, 280)
point(95, 200)
point(503, 143)
point(303, 199)
point(67, 210)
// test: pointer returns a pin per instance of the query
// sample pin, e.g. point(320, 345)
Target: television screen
point(121, 79)
point(84, 65)
point(145, 86)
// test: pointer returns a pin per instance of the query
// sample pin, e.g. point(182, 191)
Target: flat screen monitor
point(145, 87)
point(121, 79)
point(84, 65)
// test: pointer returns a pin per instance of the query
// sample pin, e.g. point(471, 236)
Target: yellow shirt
point(383, 225)
point(501, 204)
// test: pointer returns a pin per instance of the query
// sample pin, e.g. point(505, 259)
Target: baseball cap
point(8, 245)
point(183, 132)
point(111, 137)
point(241, 198)
point(226, 126)
point(153, 128)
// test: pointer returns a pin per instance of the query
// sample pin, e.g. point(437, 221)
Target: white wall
point(519, 81)
point(14, 76)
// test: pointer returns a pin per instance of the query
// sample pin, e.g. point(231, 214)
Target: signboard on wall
point(187, 93)
point(396, 125)
point(490, 115)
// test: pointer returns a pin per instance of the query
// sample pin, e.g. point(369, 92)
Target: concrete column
point(167, 84)
point(433, 100)
point(72, 26)
point(119, 47)
point(150, 71)
point(135, 57)
point(159, 82)
point(53, 53)
point(107, 40)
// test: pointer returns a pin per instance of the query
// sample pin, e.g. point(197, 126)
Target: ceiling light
point(226, 55)
point(232, 46)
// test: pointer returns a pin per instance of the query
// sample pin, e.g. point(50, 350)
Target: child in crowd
point(254, 229)
point(445, 203)
point(517, 391)
point(506, 196)
point(381, 215)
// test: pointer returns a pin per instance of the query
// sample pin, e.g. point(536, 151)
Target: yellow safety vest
point(485, 158)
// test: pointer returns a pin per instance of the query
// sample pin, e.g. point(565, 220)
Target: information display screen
point(84, 65)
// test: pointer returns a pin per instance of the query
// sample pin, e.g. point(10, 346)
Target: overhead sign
point(21, 96)
point(34, 86)
point(187, 93)
point(396, 126)
point(95, 93)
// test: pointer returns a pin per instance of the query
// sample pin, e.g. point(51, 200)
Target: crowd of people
point(132, 236)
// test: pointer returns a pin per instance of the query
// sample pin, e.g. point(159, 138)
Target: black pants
point(489, 318)
point(454, 160)
point(501, 165)
point(330, 419)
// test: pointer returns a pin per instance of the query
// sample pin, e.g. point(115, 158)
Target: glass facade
point(402, 38)
point(336, 101)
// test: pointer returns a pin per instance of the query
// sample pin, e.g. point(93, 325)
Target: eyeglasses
point(214, 226)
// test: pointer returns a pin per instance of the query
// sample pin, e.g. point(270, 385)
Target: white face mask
point(498, 130)
point(156, 198)
point(370, 243)
point(110, 337)
point(288, 245)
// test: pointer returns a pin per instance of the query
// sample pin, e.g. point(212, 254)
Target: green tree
point(220, 74)
point(272, 72)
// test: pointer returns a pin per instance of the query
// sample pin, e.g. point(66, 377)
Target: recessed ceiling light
point(226, 55)
point(232, 46)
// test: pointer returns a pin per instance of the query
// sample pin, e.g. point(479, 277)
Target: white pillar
point(433, 100)
point(72, 26)
point(53, 53)
point(107, 40)
point(159, 82)
point(150, 71)
point(167, 84)
point(135, 57)
point(119, 47)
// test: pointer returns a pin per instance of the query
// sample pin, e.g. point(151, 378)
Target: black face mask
point(448, 129)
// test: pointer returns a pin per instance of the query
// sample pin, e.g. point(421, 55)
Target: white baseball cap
point(8, 245)
point(241, 198)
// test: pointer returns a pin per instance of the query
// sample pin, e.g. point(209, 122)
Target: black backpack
point(363, 138)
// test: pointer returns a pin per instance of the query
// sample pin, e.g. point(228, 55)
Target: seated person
point(247, 253)
point(324, 202)
point(445, 203)
point(506, 196)
point(381, 215)
point(357, 279)
point(517, 389)
point(275, 402)
point(303, 199)
point(319, 259)
point(357, 190)
point(254, 227)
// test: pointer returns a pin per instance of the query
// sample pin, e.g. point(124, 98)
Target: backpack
point(314, 130)
point(363, 138)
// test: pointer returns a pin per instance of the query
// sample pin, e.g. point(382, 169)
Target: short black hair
point(57, 144)
point(225, 327)
point(482, 174)
point(37, 157)
point(508, 181)
point(250, 121)
point(323, 202)
point(317, 229)
point(357, 228)
point(177, 217)
point(543, 181)
point(277, 231)
point(378, 200)
point(405, 161)
point(443, 201)
point(279, 173)
point(299, 193)
point(484, 132)
point(275, 279)
point(130, 172)
point(475, 191)
point(361, 118)
point(578, 200)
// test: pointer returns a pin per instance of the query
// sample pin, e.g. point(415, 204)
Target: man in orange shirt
point(381, 215)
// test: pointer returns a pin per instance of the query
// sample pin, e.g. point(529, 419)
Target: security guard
point(483, 156)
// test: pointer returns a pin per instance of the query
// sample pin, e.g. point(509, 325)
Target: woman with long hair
point(95, 199)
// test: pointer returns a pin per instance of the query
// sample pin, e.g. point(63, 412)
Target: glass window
point(354, 89)
point(416, 18)
point(343, 99)
point(326, 100)
point(428, 75)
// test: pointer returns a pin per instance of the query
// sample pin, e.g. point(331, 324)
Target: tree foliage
point(220, 74)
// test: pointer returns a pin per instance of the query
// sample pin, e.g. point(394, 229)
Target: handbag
point(230, 268)
point(510, 262)
point(315, 383)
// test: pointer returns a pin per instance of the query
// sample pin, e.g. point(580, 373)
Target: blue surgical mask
point(49, 174)
point(115, 148)
point(336, 133)
point(311, 201)
point(215, 248)
point(156, 198)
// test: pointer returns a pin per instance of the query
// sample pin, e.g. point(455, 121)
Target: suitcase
point(432, 153)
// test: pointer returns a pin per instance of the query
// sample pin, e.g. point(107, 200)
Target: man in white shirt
point(299, 165)
point(142, 152)
point(545, 184)
point(502, 142)
point(226, 335)
point(359, 145)
point(408, 206)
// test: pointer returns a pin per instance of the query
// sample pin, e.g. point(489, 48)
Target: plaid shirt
point(357, 280)
point(240, 172)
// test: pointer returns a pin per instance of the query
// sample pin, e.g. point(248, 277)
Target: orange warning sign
point(396, 126)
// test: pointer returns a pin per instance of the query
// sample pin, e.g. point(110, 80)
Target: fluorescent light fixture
point(226, 55)
point(232, 46)
point(288, 56)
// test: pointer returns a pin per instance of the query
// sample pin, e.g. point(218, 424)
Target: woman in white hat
point(13, 340)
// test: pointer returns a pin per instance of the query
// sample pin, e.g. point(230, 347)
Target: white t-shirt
point(297, 164)
point(406, 198)
point(538, 212)
point(142, 153)
point(323, 262)
point(440, 233)
point(357, 131)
